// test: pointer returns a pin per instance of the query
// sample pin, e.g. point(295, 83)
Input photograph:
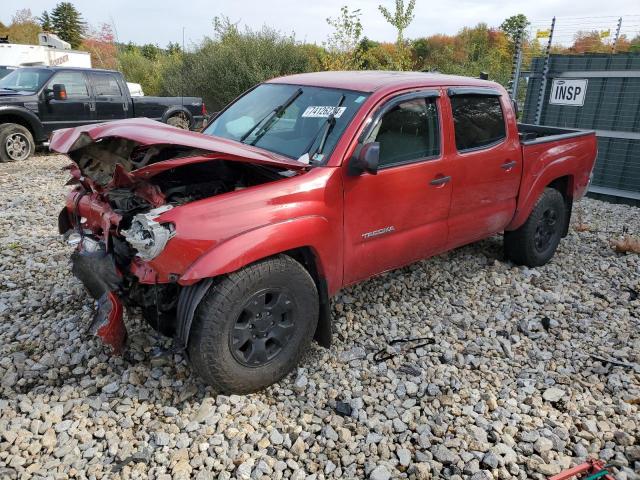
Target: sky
point(162, 21)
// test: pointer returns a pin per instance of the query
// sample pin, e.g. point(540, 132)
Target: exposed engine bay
point(109, 162)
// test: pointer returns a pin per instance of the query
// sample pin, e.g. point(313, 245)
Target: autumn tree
point(68, 24)
point(24, 28)
point(589, 41)
point(100, 43)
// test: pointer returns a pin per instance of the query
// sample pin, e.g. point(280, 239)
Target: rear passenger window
point(105, 85)
point(408, 132)
point(478, 121)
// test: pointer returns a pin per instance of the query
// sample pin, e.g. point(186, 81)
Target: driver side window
point(408, 132)
point(74, 83)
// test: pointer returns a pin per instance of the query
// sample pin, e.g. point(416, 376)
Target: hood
point(18, 95)
point(143, 132)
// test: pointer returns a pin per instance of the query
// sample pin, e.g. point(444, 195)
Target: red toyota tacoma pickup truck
point(233, 240)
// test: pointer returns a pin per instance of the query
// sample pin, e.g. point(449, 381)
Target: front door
point(399, 215)
point(73, 111)
point(111, 102)
point(487, 163)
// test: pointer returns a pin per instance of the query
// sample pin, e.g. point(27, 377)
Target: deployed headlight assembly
point(146, 235)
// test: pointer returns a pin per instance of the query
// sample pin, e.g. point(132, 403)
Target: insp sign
point(568, 92)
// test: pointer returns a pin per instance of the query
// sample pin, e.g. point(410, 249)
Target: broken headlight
point(147, 236)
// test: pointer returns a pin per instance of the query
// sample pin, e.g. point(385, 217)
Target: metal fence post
point(517, 62)
point(545, 73)
point(617, 36)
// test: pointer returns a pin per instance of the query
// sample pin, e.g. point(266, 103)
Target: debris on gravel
point(530, 371)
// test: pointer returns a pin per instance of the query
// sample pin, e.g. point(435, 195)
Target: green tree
point(45, 21)
point(150, 51)
point(513, 25)
point(173, 48)
point(400, 19)
point(234, 60)
point(68, 24)
point(342, 44)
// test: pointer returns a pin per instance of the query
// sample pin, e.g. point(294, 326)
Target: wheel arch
point(176, 110)
point(309, 260)
point(288, 238)
point(565, 186)
point(27, 119)
point(558, 180)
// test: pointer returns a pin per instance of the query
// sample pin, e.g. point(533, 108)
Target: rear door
point(73, 111)
point(111, 103)
point(399, 215)
point(487, 165)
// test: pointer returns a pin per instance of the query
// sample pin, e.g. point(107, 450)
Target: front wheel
point(16, 143)
point(535, 242)
point(253, 326)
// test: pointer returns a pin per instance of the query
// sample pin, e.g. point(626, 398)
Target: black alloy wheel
point(263, 328)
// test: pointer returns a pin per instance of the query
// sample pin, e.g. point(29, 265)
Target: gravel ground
point(509, 388)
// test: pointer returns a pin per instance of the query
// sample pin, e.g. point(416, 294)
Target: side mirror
point(59, 92)
point(365, 159)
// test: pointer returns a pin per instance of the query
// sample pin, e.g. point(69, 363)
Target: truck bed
point(548, 153)
point(155, 107)
point(532, 134)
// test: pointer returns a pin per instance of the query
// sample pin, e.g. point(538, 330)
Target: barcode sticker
point(320, 111)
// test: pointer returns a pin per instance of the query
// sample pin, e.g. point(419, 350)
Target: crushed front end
point(129, 179)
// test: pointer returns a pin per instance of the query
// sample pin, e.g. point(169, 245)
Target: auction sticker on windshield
point(320, 111)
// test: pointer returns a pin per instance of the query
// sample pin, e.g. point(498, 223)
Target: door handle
point(509, 164)
point(440, 180)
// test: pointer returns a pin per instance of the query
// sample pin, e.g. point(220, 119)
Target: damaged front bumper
point(107, 322)
point(97, 270)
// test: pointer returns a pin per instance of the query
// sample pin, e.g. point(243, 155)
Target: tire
point(535, 242)
point(16, 143)
point(227, 333)
point(179, 121)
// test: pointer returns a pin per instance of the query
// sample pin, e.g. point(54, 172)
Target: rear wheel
point(535, 242)
point(16, 143)
point(179, 121)
point(254, 325)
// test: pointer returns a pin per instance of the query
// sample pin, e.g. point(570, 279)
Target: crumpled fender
point(262, 242)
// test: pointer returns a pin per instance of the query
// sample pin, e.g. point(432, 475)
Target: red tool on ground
point(590, 470)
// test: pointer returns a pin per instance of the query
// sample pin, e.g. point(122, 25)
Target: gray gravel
point(509, 389)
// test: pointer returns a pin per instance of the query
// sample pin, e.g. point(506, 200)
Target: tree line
point(233, 59)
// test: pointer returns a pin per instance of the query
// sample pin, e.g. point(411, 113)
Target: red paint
point(331, 212)
point(108, 320)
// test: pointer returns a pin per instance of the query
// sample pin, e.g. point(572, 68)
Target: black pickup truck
point(35, 101)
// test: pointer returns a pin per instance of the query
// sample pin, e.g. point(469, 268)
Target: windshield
point(290, 120)
point(25, 79)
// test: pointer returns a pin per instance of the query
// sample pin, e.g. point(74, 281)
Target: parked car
point(233, 240)
point(35, 101)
